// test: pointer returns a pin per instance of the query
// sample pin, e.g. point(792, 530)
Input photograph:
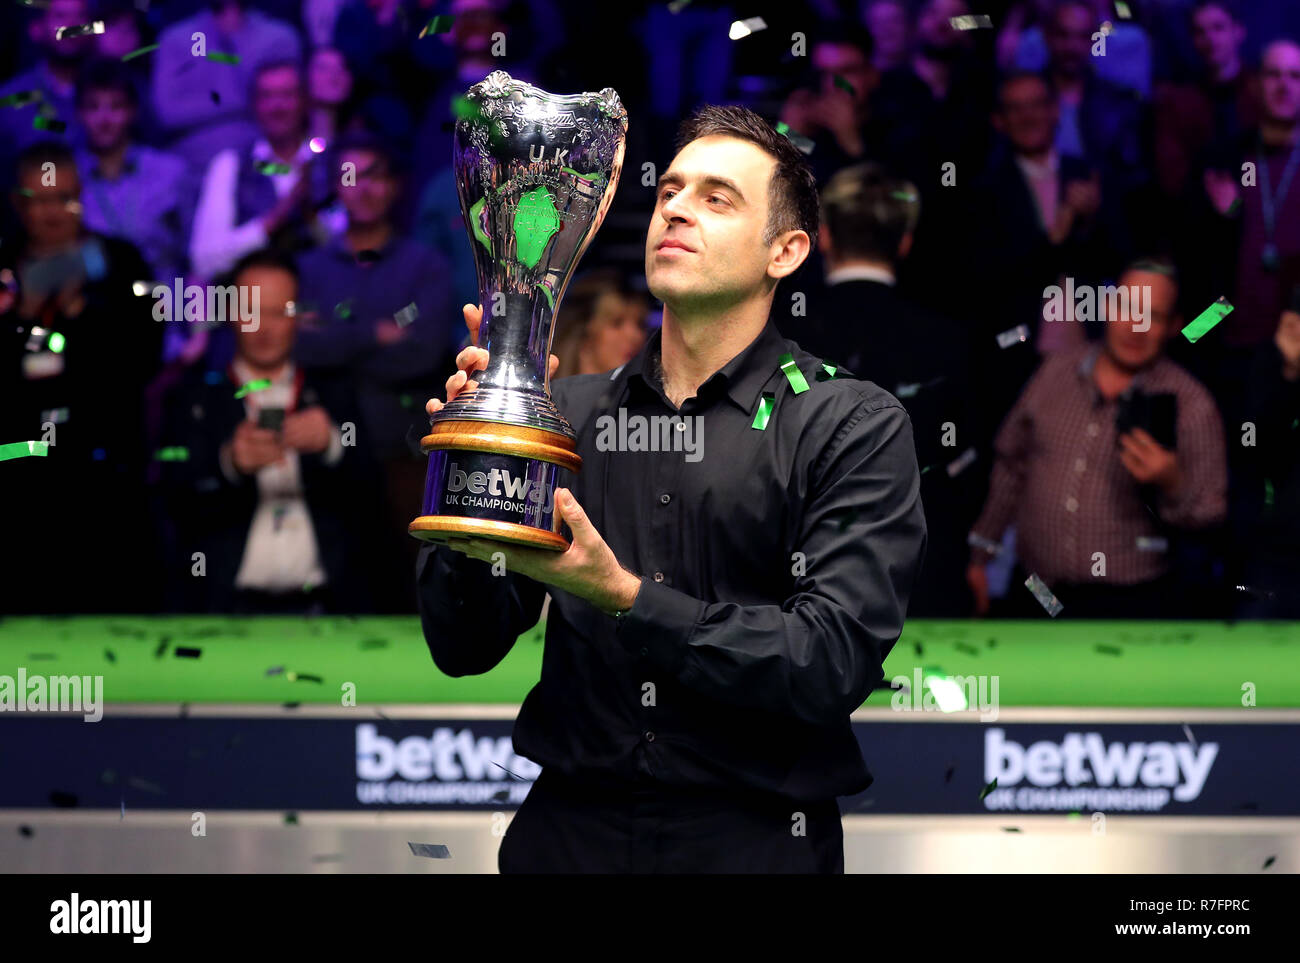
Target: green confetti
point(828, 372)
point(765, 407)
point(343, 309)
point(21, 99)
point(291, 819)
point(1207, 319)
point(24, 449)
point(904, 196)
point(224, 58)
point(1268, 493)
point(273, 167)
point(175, 453)
point(1108, 649)
point(793, 374)
point(843, 84)
point(1270, 861)
point(439, 24)
point(41, 122)
point(261, 384)
point(988, 789)
point(57, 342)
point(139, 52)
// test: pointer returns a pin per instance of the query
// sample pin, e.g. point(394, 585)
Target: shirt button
point(665, 498)
point(1092, 430)
point(1072, 504)
point(1080, 465)
point(649, 737)
point(659, 576)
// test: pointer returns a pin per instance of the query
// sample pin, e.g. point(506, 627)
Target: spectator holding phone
point(270, 490)
point(1083, 471)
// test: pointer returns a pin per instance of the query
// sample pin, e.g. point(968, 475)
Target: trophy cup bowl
point(535, 173)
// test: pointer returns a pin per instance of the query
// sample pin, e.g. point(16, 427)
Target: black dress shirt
point(775, 572)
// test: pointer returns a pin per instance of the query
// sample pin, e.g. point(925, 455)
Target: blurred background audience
point(1074, 145)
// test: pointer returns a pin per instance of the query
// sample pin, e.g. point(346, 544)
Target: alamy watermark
point(56, 693)
point(651, 433)
point(214, 303)
point(1087, 302)
point(928, 691)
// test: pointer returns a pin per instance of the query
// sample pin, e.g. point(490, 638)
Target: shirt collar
point(262, 153)
point(1089, 362)
point(130, 162)
point(744, 375)
point(861, 272)
point(1035, 170)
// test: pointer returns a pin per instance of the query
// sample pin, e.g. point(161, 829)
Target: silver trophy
point(536, 173)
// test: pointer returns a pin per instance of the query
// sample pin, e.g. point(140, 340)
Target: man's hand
point(471, 359)
point(1288, 344)
point(1084, 197)
point(1148, 462)
point(308, 431)
point(253, 448)
point(587, 569)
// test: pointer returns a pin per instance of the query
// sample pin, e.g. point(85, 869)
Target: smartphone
point(1156, 414)
point(272, 418)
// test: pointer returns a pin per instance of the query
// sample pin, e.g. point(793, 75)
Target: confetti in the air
point(273, 167)
point(223, 58)
point(743, 28)
point(24, 449)
point(186, 652)
point(1044, 595)
point(1016, 335)
point(261, 384)
point(971, 22)
point(799, 141)
point(20, 99)
point(139, 52)
point(406, 315)
point(988, 789)
point(53, 124)
point(431, 850)
point(1207, 319)
point(82, 30)
point(439, 24)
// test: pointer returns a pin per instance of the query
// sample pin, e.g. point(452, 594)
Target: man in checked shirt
point(716, 619)
point(1075, 486)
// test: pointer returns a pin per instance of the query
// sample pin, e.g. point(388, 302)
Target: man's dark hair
point(1157, 264)
point(1015, 76)
point(103, 74)
point(284, 63)
point(35, 156)
point(868, 212)
point(266, 258)
point(370, 143)
point(792, 190)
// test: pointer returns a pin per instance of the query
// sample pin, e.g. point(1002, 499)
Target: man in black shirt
point(724, 607)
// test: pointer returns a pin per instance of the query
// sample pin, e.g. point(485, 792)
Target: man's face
point(277, 103)
point(371, 199)
point(1028, 116)
point(1217, 36)
point(847, 61)
point(106, 115)
point(329, 79)
point(269, 342)
point(1069, 39)
point(887, 21)
point(1133, 349)
point(1280, 76)
point(712, 199)
point(933, 28)
point(50, 215)
point(63, 13)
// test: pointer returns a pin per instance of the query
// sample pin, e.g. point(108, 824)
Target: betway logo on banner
point(1082, 773)
point(448, 767)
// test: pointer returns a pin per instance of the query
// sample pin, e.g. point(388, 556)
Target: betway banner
point(202, 763)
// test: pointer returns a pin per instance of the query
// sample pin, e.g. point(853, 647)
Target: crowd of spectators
point(1096, 149)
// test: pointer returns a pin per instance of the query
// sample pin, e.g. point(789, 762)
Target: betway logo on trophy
point(499, 484)
point(535, 173)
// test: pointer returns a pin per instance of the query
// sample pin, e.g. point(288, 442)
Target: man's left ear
point(793, 251)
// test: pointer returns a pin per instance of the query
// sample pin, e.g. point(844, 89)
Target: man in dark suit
point(263, 470)
point(859, 319)
point(1036, 216)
